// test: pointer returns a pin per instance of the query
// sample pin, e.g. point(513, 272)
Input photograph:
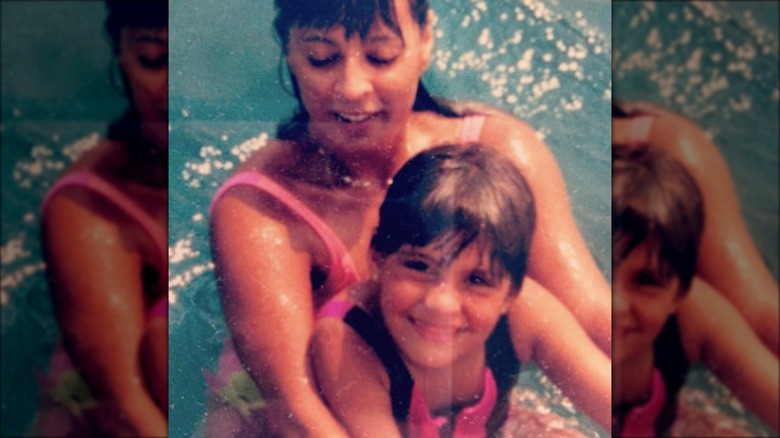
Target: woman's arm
point(95, 278)
point(349, 376)
point(728, 258)
point(717, 334)
point(559, 259)
point(549, 335)
point(264, 279)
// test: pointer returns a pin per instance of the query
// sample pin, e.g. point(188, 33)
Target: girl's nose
point(619, 300)
point(355, 80)
point(443, 298)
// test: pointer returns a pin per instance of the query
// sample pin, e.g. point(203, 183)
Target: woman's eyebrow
point(384, 38)
point(150, 38)
point(317, 39)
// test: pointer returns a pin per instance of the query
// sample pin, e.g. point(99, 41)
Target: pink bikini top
point(639, 129)
point(471, 130)
point(91, 181)
point(470, 422)
point(342, 272)
point(640, 421)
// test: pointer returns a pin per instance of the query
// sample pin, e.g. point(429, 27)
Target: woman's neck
point(634, 384)
point(146, 164)
point(372, 169)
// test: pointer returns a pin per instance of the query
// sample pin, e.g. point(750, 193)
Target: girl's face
point(440, 312)
point(143, 58)
point(359, 92)
point(642, 301)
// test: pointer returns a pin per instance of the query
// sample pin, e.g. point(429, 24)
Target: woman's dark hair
point(656, 201)
point(356, 16)
point(463, 195)
point(151, 14)
point(148, 14)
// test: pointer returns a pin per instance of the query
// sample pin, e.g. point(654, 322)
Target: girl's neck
point(461, 384)
point(635, 382)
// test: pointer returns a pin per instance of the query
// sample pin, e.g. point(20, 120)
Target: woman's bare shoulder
point(105, 156)
point(274, 154)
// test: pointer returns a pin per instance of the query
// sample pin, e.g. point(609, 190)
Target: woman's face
point(359, 92)
point(143, 58)
point(642, 301)
point(440, 312)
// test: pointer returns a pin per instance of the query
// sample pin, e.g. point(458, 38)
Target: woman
point(104, 226)
point(728, 259)
point(285, 246)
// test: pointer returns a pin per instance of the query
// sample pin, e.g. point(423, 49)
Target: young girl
point(662, 323)
point(728, 259)
point(409, 351)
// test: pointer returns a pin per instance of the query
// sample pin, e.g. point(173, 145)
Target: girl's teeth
point(354, 118)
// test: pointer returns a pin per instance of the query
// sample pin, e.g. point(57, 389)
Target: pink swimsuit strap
point(471, 129)
point(640, 421)
point(99, 185)
point(471, 422)
point(342, 272)
point(639, 129)
point(335, 308)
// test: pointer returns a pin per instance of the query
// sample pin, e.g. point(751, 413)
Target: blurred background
point(57, 100)
point(715, 63)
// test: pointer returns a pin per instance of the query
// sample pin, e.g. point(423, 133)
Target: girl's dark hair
point(657, 202)
point(356, 16)
point(462, 194)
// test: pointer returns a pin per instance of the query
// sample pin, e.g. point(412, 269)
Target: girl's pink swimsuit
point(409, 406)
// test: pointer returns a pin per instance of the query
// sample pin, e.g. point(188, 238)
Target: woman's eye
point(416, 265)
point(322, 62)
point(381, 61)
point(153, 63)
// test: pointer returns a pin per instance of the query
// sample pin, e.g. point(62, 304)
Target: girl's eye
point(322, 62)
point(478, 279)
point(416, 265)
point(648, 278)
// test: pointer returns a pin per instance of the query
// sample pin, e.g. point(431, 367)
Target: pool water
point(547, 62)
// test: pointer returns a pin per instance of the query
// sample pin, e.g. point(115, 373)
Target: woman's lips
point(358, 117)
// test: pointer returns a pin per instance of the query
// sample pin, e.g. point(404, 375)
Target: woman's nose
point(355, 80)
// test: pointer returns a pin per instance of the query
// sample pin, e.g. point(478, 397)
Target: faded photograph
point(289, 123)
